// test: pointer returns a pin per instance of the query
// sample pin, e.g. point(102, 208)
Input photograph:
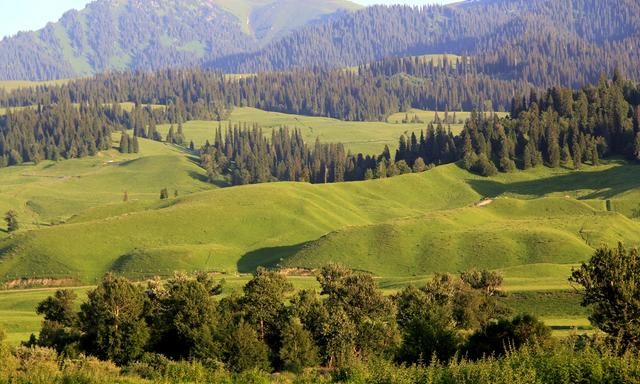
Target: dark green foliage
point(59, 330)
point(298, 350)
point(484, 166)
point(361, 317)
point(177, 331)
point(11, 218)
point(247, 157)
point(552, 132)
point(428, 338)
point(434, 318)
point(611, 290)
point(497, 339)
point(112, 320)
point(182, 315)
point(164, 194)
point(245, 351)
point(263, 301)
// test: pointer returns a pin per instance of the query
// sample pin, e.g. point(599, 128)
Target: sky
point(26, 15)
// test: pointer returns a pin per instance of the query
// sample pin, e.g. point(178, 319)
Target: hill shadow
point(605, 184)
point(267, 257)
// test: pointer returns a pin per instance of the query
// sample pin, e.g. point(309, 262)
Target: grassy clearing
point(10, 85)
point(359, 137)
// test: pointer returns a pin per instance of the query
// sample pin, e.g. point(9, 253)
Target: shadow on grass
point(267, 257)
point(605, 184)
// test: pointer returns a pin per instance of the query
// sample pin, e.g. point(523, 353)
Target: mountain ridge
point(133, 34)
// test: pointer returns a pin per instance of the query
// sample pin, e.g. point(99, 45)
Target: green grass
point(51, 192)
point(409, 225)
point(359, 137)
point(10, 85)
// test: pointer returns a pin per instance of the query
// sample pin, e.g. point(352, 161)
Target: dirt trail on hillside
point(484, 203)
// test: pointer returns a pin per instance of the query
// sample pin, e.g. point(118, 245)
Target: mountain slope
point(151, 34)
point(545, 42)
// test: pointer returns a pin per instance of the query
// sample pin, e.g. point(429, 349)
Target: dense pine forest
point(556, 127)
point(532, 41)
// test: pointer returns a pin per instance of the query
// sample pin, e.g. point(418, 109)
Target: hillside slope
point(406, 225)
point(142, 34)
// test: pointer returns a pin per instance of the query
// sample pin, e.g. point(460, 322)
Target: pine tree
point(11, 218)
point(595, 158)
point(565, 155)
point(419, 165)
point(577, 156)
point(135, 146)
point(124, 143)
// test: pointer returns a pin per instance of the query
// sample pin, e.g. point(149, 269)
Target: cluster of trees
point(129, 144)
point(365, 94)
point(351, 320)
point(11, 218)
point(269, 326)
point(559, 127)
point(53, 132)
point(246, 156)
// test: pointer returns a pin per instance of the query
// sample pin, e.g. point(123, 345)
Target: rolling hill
point(409, 225)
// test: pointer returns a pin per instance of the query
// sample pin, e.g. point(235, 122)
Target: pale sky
point(25, 15)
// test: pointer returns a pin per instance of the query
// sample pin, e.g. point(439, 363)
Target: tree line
point(350, 320)
point(560, 127)
point(269, 326)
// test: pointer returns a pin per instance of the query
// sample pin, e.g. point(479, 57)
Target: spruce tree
point(135, 146)
point(11, 218)
point(124, 143)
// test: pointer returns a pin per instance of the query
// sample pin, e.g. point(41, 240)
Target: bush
point(498, 338)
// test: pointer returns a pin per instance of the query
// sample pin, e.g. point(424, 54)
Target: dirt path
point(484, 203)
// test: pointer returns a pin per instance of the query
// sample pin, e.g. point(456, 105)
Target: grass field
point(52, 192)
point(10, 85)
point(534, 228)
point(359, 137)
point(410, 225)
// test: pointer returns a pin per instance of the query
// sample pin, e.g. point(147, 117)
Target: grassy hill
point(534, 227)
point(52, 192)
point(410, 225)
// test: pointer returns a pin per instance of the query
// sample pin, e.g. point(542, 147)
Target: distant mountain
point(545, 42)
point(152, 34)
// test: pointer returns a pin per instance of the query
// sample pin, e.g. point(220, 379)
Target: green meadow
point(359, 137)
point(533, 226)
